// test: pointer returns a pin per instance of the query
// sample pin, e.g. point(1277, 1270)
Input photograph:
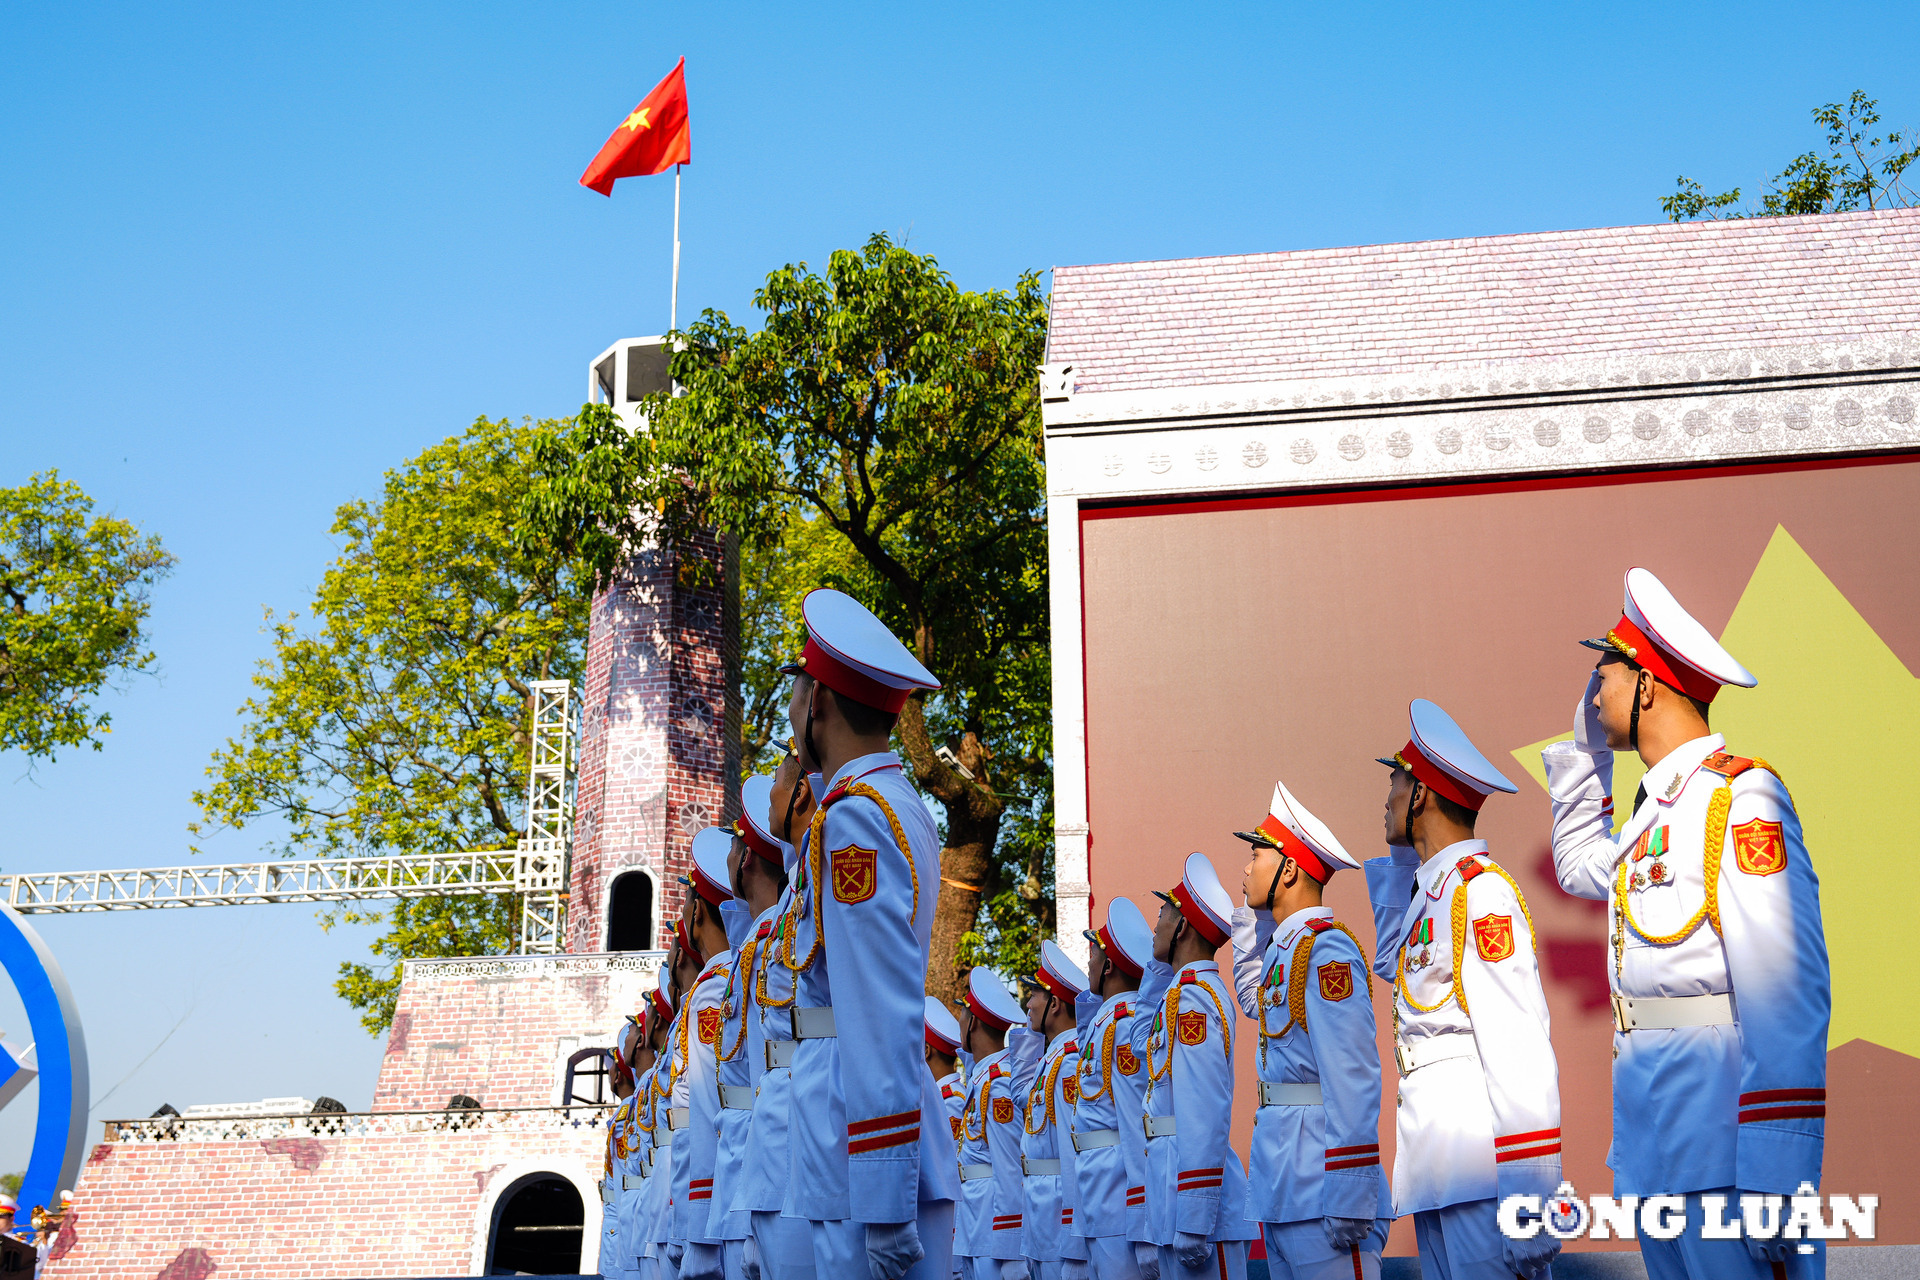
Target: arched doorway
point(538, 1228)
point(630, 912)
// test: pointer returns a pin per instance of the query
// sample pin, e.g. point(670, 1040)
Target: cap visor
point(1090, 936)
point(792, 669)
point(1165, 897)
point(1391, 764)
point(1602, 644)
point(1251, 837)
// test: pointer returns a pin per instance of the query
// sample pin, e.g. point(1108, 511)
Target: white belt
point(677, 1117)
point(812, 1024)
point(1664, 1013)
point(737, 1097)
point(779, 1054)
point(628, 1182)
point(659, 1139)
point(1424, 1053)
point(1039, 1168)
point(607, 1194)
point(1158, 1126)
point(1094, 1139)
point(975, 1172)
point(1290, 1095)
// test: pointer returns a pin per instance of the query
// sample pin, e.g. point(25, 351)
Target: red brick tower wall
point(659, 748)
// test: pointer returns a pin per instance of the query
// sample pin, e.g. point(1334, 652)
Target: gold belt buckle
point(1622, 1019)
point(1402, 1059)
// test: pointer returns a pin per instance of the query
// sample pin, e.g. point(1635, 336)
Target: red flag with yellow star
point(651, 140)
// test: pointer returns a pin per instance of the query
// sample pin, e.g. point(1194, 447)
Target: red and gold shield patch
point(854, 875)
point(1071, 1090)
point(1003, 1110)
point(709, 1026)
point(1192, 1026)
point(1760, 848)
point(1336, 980)
point(1493, 936)
point(1124, 1060)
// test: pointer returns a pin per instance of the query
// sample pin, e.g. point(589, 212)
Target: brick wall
point(500, 1030)
point(659, 730)
point(398, 1205)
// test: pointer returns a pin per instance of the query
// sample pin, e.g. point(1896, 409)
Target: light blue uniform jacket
point(1047, 1227)
point(696, 1152)
point(731, 1069)
point(1311, 1161)
point(863, 1096)
point(1109, 1181)
point(763, 1184)
point(1182, 1035)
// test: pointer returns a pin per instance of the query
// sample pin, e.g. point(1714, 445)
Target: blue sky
point(257, 255)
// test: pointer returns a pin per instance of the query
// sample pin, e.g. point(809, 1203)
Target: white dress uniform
point(1716, 954)
point(784, 1245)
point(1183, 1035)
point(870, 877)
point(694, 1178)
point(621, 1132)
point(671, 1118)
point(1047, 1235)
point(1316, 1138)
point(988, 1229)
point(1109, 1143)
point(1479, 1107)
point(648, 1234)
point(943, 1037)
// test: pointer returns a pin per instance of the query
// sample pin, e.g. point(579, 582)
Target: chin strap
point(806, 738)
point(1411, 797)
point(1633, 723)
point(1275, 886)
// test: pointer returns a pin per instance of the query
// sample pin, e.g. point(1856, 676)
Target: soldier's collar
point(1666, 780)
point(1061, 1038)
point(1293, 924)
point(860, 766)
point(1433, 873)
point(1198, 966)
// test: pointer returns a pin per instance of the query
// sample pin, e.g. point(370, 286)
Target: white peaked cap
point(1295, 832)
point(663, 993)
point(852, 652)
point(710, 879)
point(755, 822)
point(990, 1001)
point(1202, 900)
point(1126, 937)
point(1656, 632)
point(1439, 754)
point(1058, 973)
point(943, 1029)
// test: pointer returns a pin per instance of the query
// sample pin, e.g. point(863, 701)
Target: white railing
point(357, 1124)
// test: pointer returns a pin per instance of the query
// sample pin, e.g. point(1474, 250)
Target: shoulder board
point(1073, 1046)
point(1468, 868)
point(1188, 979)
point(947, 1091)
point(1725, 765)
point(1123, 1010)
point(995, 1071)
point(1320, 924)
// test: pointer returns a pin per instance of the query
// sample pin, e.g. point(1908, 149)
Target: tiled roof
point(1703, 286)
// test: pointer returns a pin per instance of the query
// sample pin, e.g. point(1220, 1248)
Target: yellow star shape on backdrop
point(1834, 709)
point(637, 121)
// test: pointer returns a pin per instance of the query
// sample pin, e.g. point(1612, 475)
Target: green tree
point(880, 433)
point(75, 590)
point(1859, 170)
point(395, 720)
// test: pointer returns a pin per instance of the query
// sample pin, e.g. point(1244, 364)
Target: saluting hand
point(1588, 737)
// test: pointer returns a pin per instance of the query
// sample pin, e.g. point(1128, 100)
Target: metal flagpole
point(673, 307)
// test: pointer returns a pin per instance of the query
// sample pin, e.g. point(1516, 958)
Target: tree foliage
point(75, 591)
point(394, 717)
point(880, 433)
point(1859, 170)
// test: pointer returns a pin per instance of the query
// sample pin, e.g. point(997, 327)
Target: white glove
point(1528, 1257)
point(674, 1252)
point(1024, 1046)
point(1191, 1249)
point(1761, 1250)
point(1013, 1269)
point(750, 1259)
point(892, 1247)
point(1588, 737)
point(1147, 1258)
point(701, 1262)
point(1345, 1233)
point(1075, 1269)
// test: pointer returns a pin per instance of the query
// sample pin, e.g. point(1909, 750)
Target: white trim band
point(1094, 1139)
point(1664, 1013)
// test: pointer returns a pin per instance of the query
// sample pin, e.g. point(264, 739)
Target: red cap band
point(761, 846)
point(1061, 991)
point(1666, 668)
point(1294, 847)
point(686, 940)
point(817, 662)
point(937, 1041)
point(987, 1015)
point(1197, 917)
point(1440, 780)
point(1115, 954)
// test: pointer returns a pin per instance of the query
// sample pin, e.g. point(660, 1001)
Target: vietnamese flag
point(651, 140)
